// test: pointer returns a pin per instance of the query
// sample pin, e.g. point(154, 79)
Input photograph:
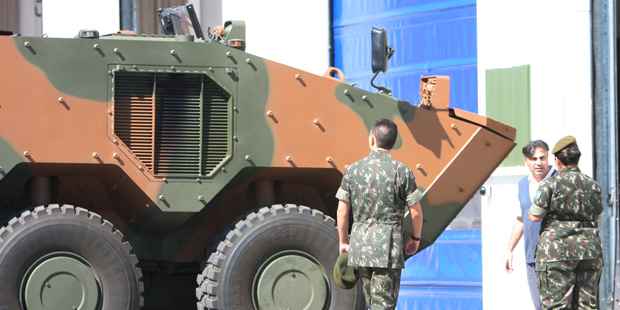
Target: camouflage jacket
point(379, 189)
point(570, 203)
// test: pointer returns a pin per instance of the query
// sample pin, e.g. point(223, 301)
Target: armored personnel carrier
point(131, 163)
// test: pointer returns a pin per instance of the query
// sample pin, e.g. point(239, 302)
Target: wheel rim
point(61, 281)
point(291, 280)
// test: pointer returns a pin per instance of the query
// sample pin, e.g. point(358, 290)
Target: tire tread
point(208, 280)
point(67, 210)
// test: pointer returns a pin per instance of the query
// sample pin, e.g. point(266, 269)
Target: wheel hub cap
point(61, 282)
point(291, 281)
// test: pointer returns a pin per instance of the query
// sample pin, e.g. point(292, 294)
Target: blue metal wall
point(431, 37)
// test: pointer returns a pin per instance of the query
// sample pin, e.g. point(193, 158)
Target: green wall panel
point(508, 100)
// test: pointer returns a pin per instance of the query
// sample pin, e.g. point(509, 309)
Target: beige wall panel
point(9, 15)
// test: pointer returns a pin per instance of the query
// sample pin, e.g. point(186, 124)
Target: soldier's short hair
point(569, 155)
point(385, 133)
point(529, 149)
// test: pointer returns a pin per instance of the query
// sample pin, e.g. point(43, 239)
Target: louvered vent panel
point(178, 137)
point(215, 126)
point(133, 113)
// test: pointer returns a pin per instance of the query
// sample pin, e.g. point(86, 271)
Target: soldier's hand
point(344, 247)
point(508, 263)
point(411, 247)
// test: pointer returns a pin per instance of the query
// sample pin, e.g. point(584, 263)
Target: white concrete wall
point(499, 210)
point(295, 32)
point(65, 18)
point(553, 37)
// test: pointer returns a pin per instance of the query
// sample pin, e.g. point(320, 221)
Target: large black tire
point(228, 280)
point(32, 245)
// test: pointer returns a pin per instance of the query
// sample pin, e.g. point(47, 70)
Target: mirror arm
point(381, 89)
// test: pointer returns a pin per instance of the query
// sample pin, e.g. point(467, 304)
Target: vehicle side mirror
point(381, 53)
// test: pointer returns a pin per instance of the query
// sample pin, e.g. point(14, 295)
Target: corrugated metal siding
point(431, 37)
point(508, 101)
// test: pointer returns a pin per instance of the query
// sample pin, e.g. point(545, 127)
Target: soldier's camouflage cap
point(344, 276)
point(563, 143)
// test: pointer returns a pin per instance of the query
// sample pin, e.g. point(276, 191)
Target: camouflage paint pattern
point(379, 190)
point(380, 287)
point(58, 109)
point(568, 254)
point(570, 284)
point(570, 203)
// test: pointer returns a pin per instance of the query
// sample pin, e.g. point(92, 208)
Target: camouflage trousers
point(381, 286)
point(569, 284)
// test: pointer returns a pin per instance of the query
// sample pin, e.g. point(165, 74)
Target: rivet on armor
point(365, 97)
point(270, 113)
point(114, 141)
point(27, 154)
point(173, 52)
point(461, 189)
point(198, 180)
point(172, 68)
point(27, 44)
point(298, 77)
point(288, 158)
point(116, 50)
point(235, 138)
point(228, 54)
point(140, 168)
point(165, 180)
point(96, 46)
point(453, 126)
point(200, 198)
point(316, 122)
point(346, 92)
point(248, 60)
point(248, 157)
point(329, 159)
point(161, 197)
point(115, 156)
point(95, 155)
point(61, 100)
point(418, 166)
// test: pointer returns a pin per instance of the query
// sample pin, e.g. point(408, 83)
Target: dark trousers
point(532, 282)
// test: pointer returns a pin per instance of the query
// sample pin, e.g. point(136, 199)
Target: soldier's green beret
point(563, 143)
point(344, 276)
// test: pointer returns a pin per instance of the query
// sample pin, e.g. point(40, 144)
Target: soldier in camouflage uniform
point(568, 255)
point(379, 190)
